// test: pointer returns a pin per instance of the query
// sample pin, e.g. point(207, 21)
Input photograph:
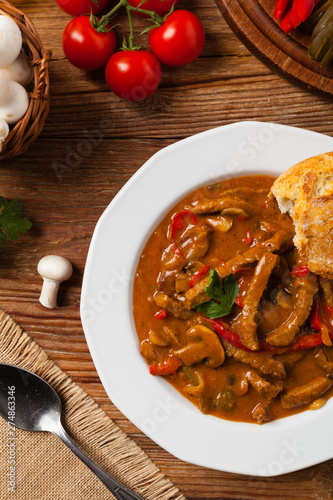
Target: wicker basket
point(26, 131)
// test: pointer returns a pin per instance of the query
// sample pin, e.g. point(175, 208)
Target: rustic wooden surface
point(225, 85)
point(254, 24)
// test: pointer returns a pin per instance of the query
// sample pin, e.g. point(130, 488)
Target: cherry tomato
point(179, 40)
point(84, 47)
point(81, 7)
point(161, 7)
point(133, 75)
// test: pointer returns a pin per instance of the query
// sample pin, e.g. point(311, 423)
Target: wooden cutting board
point(252, 21)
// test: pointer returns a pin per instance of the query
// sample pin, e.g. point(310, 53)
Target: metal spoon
point(37, 407)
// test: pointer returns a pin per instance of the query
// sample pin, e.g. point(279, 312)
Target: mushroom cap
point(10, 41)
point(20, 70)
point(3, 83)
point(4, 130)
point(54, 267)
point(14, 103)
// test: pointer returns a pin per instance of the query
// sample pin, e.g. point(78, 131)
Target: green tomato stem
point(130, 21)
point(129, 8)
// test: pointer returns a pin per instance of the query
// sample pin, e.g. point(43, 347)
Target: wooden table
point(225, 85)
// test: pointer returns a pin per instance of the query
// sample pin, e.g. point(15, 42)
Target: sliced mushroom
point(234, 211)
point(148, 352)
point(156, 338)
point(171, 335)
point(199, 388)
point(220, 223)
point(203, 344)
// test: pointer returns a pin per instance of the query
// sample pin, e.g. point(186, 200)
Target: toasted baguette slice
point(305, 191)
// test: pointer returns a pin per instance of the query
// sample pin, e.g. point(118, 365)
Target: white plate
point(106, 305)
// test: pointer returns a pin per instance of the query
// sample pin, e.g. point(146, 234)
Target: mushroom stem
point(48, 296)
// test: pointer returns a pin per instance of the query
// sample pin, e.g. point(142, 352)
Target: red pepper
point(289, 21)
point(226, 333)
point(178, 221)
point(243, 218)
point(196, 276)
point(307, 342)
point(170, 366)
point(300, 271)
point(162, 314)
point(300, 11)
point(286, 23)
point(248, 238)
point(239, 302)
point(222, 262)
point(280, 8)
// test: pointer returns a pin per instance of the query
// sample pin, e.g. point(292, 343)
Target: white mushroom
point(4, 131)
point(20, 70)
point(10, 41)
point(220, 223)
point(14, 103)
point(3, 83)
point(54, 269)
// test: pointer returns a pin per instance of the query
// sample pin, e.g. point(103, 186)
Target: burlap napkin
point(44, 468)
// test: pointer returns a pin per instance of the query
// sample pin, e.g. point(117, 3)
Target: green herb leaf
point(11, 221)
point(223, 296)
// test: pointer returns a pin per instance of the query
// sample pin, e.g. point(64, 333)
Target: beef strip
point(219, 204)
point(264, 363)
point(305, 287)
point(291, 358)
point(323, 362)
point(172, 306)
point(248, 330)
point(306, 393)
point(262, 385)
point(195, 242)
point(281, 239)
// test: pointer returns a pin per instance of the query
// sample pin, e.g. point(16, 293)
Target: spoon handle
point(116, 488)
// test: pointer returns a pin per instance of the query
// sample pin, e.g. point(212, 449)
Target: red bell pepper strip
point(307, 342)
point(168, 367)
point(226, 333)
point(300, 271)
point(280, 8)
point(196, 276)
point(300, 11)
point(178, 221)
point(162, 314)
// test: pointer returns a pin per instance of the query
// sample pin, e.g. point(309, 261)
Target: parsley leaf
point(223, 296)
point(11, 221)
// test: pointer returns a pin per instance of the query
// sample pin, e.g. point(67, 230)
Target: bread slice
point(305, 191)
